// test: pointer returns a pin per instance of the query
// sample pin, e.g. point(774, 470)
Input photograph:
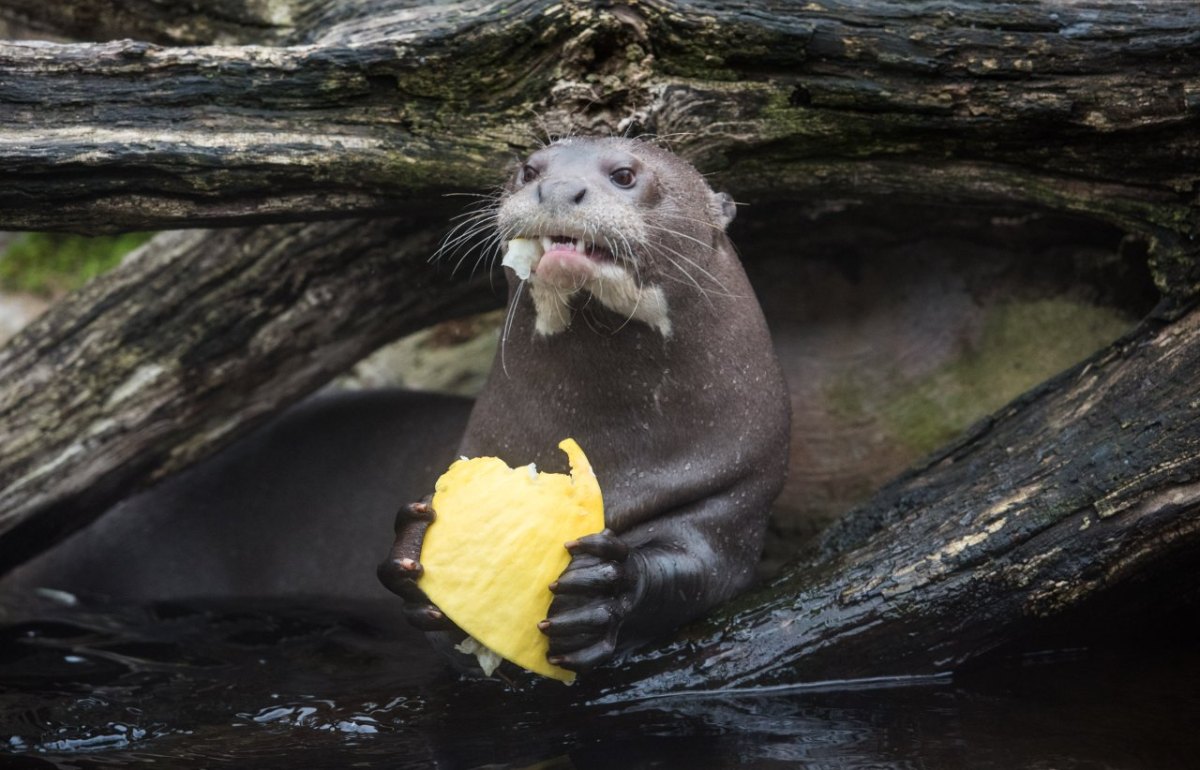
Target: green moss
point(847, 399)
point(48, 264)
point(1022, 344)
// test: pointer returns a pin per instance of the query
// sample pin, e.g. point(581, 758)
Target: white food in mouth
point(522, 255)
point(608, 281)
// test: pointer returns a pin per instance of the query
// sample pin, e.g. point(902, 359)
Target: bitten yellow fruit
point(496, 544)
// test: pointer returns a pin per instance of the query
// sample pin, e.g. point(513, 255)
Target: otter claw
point(428, 618)
point(586, 658)
point(604, 545)
point(414, 513)
point(411, 567)
point(399, 576)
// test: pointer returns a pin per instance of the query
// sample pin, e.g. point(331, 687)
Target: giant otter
point(636, 332)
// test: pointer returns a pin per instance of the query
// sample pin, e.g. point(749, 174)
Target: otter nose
point(564, 191)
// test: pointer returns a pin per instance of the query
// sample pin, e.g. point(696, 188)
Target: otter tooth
point(547, 243)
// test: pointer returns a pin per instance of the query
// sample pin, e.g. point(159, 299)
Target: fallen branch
point(1068, 493)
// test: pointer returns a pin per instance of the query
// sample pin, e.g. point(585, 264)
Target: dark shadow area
point(898, 326)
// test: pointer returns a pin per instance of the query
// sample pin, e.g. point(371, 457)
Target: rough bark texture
point(196, 338)
point(158, 21)
point(1022, 102)
point(1085, 108)
point(1072, 490)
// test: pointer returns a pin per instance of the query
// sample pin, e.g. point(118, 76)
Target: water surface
point(277, 686)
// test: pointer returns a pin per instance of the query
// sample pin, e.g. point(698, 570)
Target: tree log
point(155, 21)
point(193, 341)
point(1071, 491)
point(1032, 103)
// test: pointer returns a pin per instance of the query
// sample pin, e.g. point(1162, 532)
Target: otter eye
point(528, 174)
point(623, 177)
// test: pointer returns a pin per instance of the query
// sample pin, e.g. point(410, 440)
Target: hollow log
point(1036, 102)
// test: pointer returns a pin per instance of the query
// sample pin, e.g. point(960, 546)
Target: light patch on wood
point(1180, 497)
point(1052, 597)
point(222, 429)
point(962, 544)
point(934, 565)
point(145, 376)
point(101, 426)
point(279, 13)
point(1022, 574)
point(107, 144)
point(1008, 503)
point(58, 461)
point(1125, 497)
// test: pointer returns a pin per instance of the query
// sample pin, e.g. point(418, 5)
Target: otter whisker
point(466, 234)
point(464, 246)
point(465, 231)
point(637, 303)
point(494, 191)
point(694, 220)
point(691, 280)
point(626, 257)
point(508, 322)
point(694, 239)
point(724, 289)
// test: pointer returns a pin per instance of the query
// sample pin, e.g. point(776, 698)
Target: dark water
point(265, 687)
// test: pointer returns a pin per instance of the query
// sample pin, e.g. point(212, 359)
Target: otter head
point(619, 220)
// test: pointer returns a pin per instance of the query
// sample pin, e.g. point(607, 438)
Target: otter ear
point(722, 209)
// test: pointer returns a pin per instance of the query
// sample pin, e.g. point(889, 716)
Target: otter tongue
point(522, 255)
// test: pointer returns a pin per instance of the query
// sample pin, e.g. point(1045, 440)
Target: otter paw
point(400, 570)
point(592, 597)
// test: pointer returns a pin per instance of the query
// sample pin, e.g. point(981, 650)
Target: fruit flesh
point(496, 544)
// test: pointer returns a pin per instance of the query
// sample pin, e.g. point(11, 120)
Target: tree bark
point(156, 21)
point(193, 341)
point(1031, 103)
point(1070, 492)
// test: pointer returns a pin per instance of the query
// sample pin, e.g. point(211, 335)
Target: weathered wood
point(1022, 102)
point(194, 340)
point(156, 21)
point(1010, 527)
point(223, 22)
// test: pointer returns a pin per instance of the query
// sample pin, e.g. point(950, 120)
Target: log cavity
point(900, 325)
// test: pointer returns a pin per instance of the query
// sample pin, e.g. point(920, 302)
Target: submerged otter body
point(294, 510)
point(637, 333)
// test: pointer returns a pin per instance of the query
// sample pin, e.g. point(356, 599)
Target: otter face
point(612, 218)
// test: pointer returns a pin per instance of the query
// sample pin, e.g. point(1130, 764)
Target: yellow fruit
point(496, 544)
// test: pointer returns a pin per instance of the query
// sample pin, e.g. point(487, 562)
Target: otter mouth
point(563, 265)
point(563, 256)
point(592, 251)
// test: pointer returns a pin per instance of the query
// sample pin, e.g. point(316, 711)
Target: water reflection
point(271, 686)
